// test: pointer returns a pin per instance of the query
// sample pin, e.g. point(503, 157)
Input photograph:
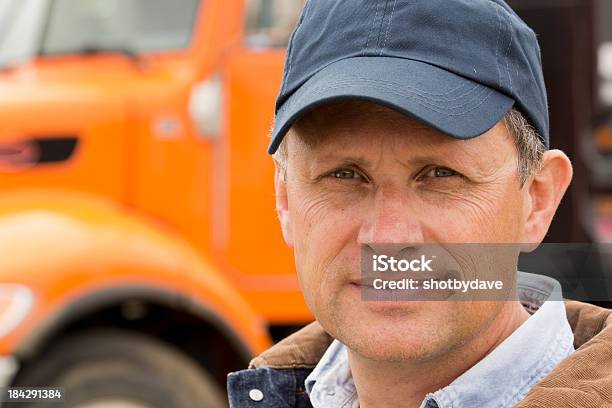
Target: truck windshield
point(52, 27)
point(20, 29)
point(134, 25)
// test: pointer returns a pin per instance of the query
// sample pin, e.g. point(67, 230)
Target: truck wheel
point(120, 369)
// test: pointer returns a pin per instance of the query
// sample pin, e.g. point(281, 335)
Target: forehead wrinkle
point(342, 148)
point(338, 144)
point(483, 155)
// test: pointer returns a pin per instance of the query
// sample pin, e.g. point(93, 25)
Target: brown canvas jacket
point(583, 380)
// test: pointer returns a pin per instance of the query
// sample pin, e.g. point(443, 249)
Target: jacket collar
point(583, 379)
point(303, 349)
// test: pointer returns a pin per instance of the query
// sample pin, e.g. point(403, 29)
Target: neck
point(406, 383)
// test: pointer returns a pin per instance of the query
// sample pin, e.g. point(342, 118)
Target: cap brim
point(454, 105)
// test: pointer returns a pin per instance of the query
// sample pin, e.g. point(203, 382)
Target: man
point(411, 122)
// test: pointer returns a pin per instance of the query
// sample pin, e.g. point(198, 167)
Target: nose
point(391, 219)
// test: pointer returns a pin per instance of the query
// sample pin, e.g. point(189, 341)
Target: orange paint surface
point(144, 199)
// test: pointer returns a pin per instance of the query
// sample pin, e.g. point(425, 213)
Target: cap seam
point(290, 49)
point(497, 48)
point(390, 85)
point(367, 44)
point(509, 29)
point(425, 94)
point(384, 45)
point(380, 28)
point(431, 107)
point(503, 20)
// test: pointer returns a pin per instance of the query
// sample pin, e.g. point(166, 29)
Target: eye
point(439, 172)
point(346, 174)
point(444, 172)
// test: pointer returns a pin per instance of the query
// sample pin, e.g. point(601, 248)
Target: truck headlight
point(15, 303)
point(205, 106)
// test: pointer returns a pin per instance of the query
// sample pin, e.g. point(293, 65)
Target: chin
point(393, 333)
point(388, 345)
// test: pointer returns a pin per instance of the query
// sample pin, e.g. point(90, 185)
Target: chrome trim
point(21, 300)
point(8, 368)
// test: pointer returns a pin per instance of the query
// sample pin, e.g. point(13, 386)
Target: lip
point(420, 277)
point(387, 307)
point(397, 298)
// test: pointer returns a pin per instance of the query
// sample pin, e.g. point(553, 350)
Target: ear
point(544, 192)
point(282, 203)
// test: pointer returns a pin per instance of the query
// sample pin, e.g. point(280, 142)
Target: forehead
point(354, 123)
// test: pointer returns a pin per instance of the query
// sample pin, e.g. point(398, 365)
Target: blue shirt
point(501, 379)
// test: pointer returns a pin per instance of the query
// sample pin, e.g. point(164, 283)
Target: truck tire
point(114, 368)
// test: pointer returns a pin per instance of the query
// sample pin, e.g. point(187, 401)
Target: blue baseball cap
point(456, 65)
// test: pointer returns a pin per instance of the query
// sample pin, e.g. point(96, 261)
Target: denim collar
point(501, 379)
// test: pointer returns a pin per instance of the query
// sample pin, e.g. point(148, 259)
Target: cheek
point(503, 219)
point(488, 215)
point(324, 235)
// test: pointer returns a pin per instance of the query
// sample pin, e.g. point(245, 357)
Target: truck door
point(247, 235)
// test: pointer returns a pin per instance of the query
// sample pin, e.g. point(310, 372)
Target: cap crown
point(483, 40)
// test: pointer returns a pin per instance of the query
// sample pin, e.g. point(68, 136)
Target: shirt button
point(256, 395)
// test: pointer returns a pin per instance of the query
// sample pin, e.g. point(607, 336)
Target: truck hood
point(91, 114)
point(65, 133)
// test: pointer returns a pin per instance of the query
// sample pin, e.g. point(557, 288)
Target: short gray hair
point(528, 142)
point(529, 145)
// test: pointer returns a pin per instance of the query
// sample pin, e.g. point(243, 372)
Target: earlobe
point(545, 190)
point(282, 203)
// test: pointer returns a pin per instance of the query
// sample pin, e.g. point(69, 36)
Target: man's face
point(358, 173)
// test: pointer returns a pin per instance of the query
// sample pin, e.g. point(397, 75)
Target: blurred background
point(140, 256)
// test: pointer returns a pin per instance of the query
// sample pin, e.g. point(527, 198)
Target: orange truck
point(140, 256)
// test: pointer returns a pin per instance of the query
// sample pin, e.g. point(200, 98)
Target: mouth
point(405, 287)
point(416, 277)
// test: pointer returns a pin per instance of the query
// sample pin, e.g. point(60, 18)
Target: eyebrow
point(361, 161)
